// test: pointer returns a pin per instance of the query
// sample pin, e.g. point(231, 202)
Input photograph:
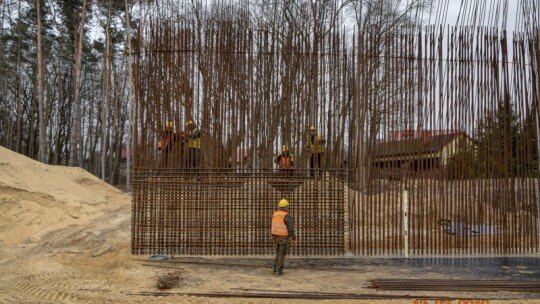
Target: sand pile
point(36, 198)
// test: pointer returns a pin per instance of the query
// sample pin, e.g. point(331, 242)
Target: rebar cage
point(449, 115)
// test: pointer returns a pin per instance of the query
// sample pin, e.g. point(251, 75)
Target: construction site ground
point(65, 238)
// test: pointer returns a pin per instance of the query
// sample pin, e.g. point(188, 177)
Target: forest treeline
point(71, 72)
point(65, 96)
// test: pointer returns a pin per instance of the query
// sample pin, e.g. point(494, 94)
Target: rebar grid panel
point(229, 212)
point(461, 141)
point(447, 114)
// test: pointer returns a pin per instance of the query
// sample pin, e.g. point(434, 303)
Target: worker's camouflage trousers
point(283, 244)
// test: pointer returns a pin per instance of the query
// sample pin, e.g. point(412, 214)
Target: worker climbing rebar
point(285, 161)
point(316, 150)
point(193, 137)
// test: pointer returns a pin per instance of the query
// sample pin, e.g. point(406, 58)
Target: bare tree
point(106, 93)
point(130, 96)
point(381, 88)
point(75, 151)
point(40, 99)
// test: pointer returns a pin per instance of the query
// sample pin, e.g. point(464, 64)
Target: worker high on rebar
point(315, 152)
point(285, 161)
point(166, 144)
point(283, 234)
point(193, 137)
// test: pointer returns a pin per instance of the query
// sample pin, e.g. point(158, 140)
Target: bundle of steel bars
point(456, 285)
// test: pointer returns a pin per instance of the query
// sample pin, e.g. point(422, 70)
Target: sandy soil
point(65, 238)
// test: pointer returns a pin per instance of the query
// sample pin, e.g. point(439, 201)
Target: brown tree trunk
point(106, 95)
point(19, 91)
point(130, 99)
point(74, 151)
point(41, 136)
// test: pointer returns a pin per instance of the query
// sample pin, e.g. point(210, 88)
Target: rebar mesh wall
point(229, 213)
point(447, 114)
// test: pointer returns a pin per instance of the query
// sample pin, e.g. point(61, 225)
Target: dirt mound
point(36, 198)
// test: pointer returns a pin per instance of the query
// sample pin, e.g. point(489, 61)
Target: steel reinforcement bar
point(228, 212)
point(448, 115)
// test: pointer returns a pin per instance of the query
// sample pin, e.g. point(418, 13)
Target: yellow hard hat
point(285, 148)
point(188, 123)
point(170, 125)
point(312, 128)
point(283, 203)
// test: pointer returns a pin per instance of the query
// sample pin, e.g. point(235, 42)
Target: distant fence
point(448, 114)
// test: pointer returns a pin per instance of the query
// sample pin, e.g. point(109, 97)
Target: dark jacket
point(289, 222)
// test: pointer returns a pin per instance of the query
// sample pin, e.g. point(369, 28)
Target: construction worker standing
point(283, 234)
point(165, 145)
point(285, 161)
point(193, 138)
point(316, 150)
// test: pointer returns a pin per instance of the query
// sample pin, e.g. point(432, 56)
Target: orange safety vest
point(165, 142)
point(278, 224)
point(284, 162)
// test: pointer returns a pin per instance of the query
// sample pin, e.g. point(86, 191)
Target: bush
point(169, 279)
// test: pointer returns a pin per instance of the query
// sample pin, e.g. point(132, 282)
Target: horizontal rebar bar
point(315, 296)
point(456, 285)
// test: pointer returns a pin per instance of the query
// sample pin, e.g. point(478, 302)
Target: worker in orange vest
point(285, 161)
point(165, 145)
point(283, 234)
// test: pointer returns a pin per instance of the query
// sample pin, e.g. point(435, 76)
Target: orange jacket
point(285, 160)
point(166, 141)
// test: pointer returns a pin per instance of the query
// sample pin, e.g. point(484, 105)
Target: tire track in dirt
point(59, 288)
point(60, 237)
point(29, 288)
point(35, 292)
point(51, 287)
point(23, 289)
point(19, 300)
